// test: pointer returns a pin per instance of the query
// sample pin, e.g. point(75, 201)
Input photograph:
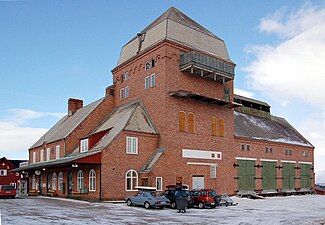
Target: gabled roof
point(14, 162)
point(132, 117)
point(66, 124)
point(175, 26)
point(275, 129)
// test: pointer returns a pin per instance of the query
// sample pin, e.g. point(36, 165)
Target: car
point(148, 198)
point(205, 197)
point(7, 191)
point(175, 192)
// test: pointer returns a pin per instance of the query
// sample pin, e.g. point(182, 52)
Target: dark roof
point(239, 97)
point(14, 162)
point(275, 129)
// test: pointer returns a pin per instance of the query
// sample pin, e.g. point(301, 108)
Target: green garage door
point(288, 174)
point(269, 176)
point(305, 182)
point(246, 175)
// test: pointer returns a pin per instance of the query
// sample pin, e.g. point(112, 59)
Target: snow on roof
point(275, 129)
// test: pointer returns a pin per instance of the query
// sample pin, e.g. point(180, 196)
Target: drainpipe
point(100, 182)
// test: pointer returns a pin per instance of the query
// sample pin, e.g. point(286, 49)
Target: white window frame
point(34, 157)
point(213, 171)
point(80, 180)
point(126, 76)
point(57, 152)
point(132, 145)
point(42, 155)
point(126, 92)
point(153, 80)
point(60, 181)
point(121, 93)
point(54, 181)
point(146, 82)
point(84, 144)
point(146, 66)
point(92, 180)
point(48, 154)
point(161, 183)
point(3, 172)
point(129, 175)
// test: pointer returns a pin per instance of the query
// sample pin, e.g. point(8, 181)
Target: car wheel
point(147, 205)
point(201, 205)
point(129, 202)
point(173, 205)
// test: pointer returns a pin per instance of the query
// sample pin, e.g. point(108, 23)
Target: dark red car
point(7, 191)
point(205, 197)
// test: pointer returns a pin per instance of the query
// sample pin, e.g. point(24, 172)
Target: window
point(80, 180)
point(266, 150)
point(92, 180)
point(122, 94)
point(54, 180)
point(159, 184)
point(271, 150)
point(34, 181)
point(182, 121)
point(290, 152)
point(84, 145)
point(42, 155)
point(221, 127)
point(227, 94)
point(126, 92)
point(131, 180)
point(243, 147)
point(147, 66)
point(213, 172)
point(34, 157)
point(248, 147)
point(305, 153)
point(57, 150)
point(60, 183)
point(191, 121)
point(147, 82)
point(214, 126)
point(131, 145)
point(3, 172)
point(153, 63)
point(48, 154)
point(13, 184)
point(126, 77)
point(153, 80)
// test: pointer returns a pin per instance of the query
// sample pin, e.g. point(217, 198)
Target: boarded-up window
point(214, 126)
point(182, 121)
point(221, 127)
point(191, 122)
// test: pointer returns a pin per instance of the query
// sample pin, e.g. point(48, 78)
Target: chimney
point(74, 105)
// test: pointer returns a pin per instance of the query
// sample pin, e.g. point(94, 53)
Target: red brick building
point(171, 117)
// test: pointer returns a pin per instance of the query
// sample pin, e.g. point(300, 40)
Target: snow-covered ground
point(281, 210)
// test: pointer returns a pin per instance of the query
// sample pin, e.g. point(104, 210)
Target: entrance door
point(69, 184)
point(288, 174)
point(246, 176)
point(48, 182)
point(305, 182)
point(269, 176)
point(198, 182)
point(40, 185)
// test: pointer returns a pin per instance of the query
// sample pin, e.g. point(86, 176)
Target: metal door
point(198, 182)
point(269, 176)
point(305, 182)
point(69, 183)
point(288, 174)
point(246, 176)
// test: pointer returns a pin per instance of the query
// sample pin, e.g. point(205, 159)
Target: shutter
point(221, 127)
point(214, 126)
point(191, 122)
point(182, 121)
point(269, 176)
point(305, 182)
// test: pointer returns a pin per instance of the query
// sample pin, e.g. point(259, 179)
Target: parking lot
point(281, 210)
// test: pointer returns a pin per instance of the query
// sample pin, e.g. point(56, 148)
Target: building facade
point(171, 116)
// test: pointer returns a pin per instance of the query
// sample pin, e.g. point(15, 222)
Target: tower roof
point(175, 26)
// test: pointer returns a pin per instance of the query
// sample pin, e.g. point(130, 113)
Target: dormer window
point(84, 145)
point(147, 66)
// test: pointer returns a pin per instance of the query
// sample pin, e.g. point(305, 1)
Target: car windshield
point(182, 193)
point(212, 193)
point(7, 188)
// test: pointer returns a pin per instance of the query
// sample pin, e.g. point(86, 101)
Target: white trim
point(131, 177)
point(92, 177)
point(132, 142)
point(147, 78)
point(243, 158)
point(84, 143)
point(287, 161)
point(310, 163)
point(201, 154)
point(201, 164)
point(161, 180)
point(269, 160)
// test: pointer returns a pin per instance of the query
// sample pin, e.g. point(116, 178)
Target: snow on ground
point(308, 209)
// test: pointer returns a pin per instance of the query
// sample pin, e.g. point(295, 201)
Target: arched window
point(34, 181)
point(191, 121)
point(92, 180)
point(131, 180)
point(214, 126)
point(126, 76)
point(182, 121)
point(60, 181)
point(221, 127)
point(54, 180)
point(80, 180)
point(147, 66)
point(153, 63)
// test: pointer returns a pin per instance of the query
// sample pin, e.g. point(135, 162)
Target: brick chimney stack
point(74, 105)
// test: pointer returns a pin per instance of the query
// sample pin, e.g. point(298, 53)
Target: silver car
point(148, 199)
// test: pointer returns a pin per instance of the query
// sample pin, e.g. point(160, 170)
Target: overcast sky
point(53, 50)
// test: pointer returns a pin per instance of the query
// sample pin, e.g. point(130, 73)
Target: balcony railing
point(206, 66)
